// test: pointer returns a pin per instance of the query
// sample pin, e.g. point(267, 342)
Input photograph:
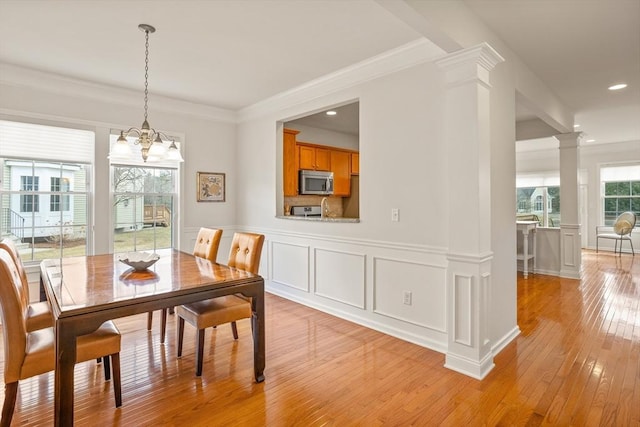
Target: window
point(539, 204)
point(59, 202)
point(620, 191)
point(29, 202)
point(144, 203)
point(44, 198)
point(45, 222)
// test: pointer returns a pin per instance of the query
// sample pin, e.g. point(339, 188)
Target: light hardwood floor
point(576, 362)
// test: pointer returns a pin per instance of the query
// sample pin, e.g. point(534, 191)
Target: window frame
point(164, 165)
point(32, 188)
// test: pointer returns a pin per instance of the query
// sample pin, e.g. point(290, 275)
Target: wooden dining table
point(85, 292)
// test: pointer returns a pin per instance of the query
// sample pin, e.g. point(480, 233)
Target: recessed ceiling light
point(576, 126)
point(618, 86)
point(331, 113)
point(591, 140)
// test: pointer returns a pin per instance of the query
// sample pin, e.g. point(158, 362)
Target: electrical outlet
point(406, 297)
point(395, 214)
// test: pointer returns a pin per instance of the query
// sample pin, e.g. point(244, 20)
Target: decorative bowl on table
point(139, 260)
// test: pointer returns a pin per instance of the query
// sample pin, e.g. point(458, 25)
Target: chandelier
point(150, 140)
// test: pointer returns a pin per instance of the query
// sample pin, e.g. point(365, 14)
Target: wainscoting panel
point(340, 276)
point(463, 299)
point(425, 284)
point(290, 265)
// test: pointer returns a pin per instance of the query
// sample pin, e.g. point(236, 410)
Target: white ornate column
point(467, 135)
point(570, 238)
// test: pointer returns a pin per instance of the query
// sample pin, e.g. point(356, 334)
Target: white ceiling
point(232, 54)
point(578, 48)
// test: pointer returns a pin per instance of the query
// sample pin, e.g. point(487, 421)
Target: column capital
point(473, 62)
point(569, 140)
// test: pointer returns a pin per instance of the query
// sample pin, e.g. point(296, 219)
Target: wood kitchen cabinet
point(355, 163)
point(313, 158)
point(341, 168)
point(290, 163)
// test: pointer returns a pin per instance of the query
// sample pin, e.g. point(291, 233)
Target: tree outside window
point(619, 197)
point(144, 201)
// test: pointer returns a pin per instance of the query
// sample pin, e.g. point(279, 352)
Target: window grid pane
point(46, 217)
point(143, 205)
point(619, 197)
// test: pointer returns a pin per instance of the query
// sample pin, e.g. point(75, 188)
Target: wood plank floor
point(576, 362)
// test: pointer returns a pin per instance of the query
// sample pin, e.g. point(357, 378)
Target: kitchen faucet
point(324, 207)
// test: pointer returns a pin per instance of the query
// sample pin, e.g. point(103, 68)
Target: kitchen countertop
point(319, 219)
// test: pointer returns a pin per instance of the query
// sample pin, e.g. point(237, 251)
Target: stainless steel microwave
point(315, 182)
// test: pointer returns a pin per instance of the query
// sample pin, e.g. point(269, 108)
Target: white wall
point(208, 142)
point(360, 270)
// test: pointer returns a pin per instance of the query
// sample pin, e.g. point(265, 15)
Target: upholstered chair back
point(207, 243)
point(13, 318)
point(624, 223)
point(245, 252)
point(9, 245)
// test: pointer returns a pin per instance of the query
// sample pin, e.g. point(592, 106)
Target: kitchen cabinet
point(341, 168)
point(355, 163)
point(289, 163)
point(313, 158)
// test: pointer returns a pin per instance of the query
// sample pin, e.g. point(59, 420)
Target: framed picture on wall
point(211, 187)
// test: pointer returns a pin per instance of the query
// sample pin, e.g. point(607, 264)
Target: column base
point(472, 368)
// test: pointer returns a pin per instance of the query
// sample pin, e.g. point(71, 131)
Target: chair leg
point(107, 368)
point(117, 385)
point(180, 335)
point(234, 330)
point(199, 352)
point(10, 395)
point(149, 320)
point(633, 253)
point(163, 326)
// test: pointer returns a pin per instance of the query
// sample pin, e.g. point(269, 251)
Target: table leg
point(525, 250)
point(65, 362)
point(257, 319)
point(535, 253)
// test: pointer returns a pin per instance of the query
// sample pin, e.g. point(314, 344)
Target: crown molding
point(413, 53)
point(16, 76)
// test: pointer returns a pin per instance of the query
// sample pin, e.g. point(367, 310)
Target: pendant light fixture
point(150, 140)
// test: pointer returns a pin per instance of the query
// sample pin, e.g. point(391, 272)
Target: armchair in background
point(622, 228)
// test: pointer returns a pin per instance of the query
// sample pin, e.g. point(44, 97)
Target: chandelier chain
point(146, 72)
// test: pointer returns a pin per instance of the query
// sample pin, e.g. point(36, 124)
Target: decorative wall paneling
point(340, 276)
point(290, 265)
point(427, 284)
point(364, 281)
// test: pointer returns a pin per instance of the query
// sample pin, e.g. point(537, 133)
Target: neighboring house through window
point(538, 198)
point(44, 197)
